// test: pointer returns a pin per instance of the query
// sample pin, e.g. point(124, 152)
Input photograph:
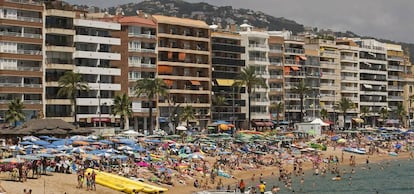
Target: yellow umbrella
point(342, 140)
point(224, 127)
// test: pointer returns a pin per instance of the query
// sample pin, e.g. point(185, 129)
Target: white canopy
point(181, 128)
point(320, 122)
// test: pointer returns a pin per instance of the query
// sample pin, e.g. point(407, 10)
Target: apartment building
point(21, 56)
point(184, 64)
point(373, 77)
point(138, 60)
point(293, 72)
point(59, 49)
point(312, 70)
point(257, 50)
point(408, 90)
point(396, 76)
point(227, 62)
point(276, 90)
point(349, 62)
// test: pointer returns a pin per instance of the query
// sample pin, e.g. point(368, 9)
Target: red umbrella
point(142, 164)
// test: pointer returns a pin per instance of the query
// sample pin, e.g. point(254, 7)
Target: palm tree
point(71, 84)
point(324, 114)
point(15, 113)
point(364, 112)
point(276, 107)
point(400, 112)
point(122, 107)
point(187, 114)
point(249, 79)
point(384, 113)
point(302, 90)
point(344, 105)
point(150, 88)
point(219, 101)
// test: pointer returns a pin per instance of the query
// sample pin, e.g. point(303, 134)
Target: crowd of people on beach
point(206, 164)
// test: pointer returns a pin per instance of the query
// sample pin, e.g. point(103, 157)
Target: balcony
point(20, 85)
point(395, 68)
point(395, 98)
point(21, 68)
point(149, 36)
point(97, 40)
point(96, 55)
point(396, 78)
point(29, 2)
point(330, 54)
point(227, 47)
point(24, 35)
point(349, 78)
point(259, 46)
point(258, 59)
point(24, 52)
point(98, 70)
point(22, 18)
point(347, 88)
point(142, 65)
point(349, 58)
point(294, 51)
point(351, 68)
point(276, 77)
point(395, 88)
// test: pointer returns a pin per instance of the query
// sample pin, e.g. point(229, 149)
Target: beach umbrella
point(78, 150)
point(12, 160)
point(81, 143)
point(153, 140)
point(398, 145)
point(342, 140)
point(181, 128)
point(41, 142)
point(196, 156)
point(26, 143)
point(63, 147)
point(130, 133)
point(48, 150)
point(45, 137)
point(28, 157)
point(139, 149)
point(126, 141)
point(30, 138)
point(142, 164)
point(50, 146)
point(16, 148)
point(334, 138)
point(93, 137)
point(167, 170)
point(125, 148)
point(105, 155)
point(90, 157)
point(224, 153)
point(79, 138)
point(45, 155)
point(32, 147)
point(53, 139)
point(111, 151)
point(104, 141)
point(62, 142)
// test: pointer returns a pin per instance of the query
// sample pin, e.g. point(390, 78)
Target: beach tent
point(320, 122)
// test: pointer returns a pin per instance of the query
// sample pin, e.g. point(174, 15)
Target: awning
point(294, 68)
point(195, 83)
point(286, 70)
point(225, 82)
point(358, 120)
point(368, 86)
point(102, 119)
point(169, 82)
point(259, 124)
point(163, 69)
point(303, 57)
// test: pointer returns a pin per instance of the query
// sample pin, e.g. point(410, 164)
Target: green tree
point(324, 114)
point(71, 84)
point(219, 102)
point(276, 107)
point(249, 79)
point(302, 89)
point(400, 112)
point(187, 114)
point(364, 112)
point(123, 107)
point(15, 113)
point(384, 113)
point(344, 105)
point(150, 88)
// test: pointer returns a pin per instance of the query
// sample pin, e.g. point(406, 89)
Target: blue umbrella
point(126, 141)
point(26, 143)
point(104, 141)
point(138, 149)
point(96, 152)
point(50, 146)
point(398, 146)
point(41, 142)
point(53, 139)
point(334, 138)
point(62, 142)
point(45, 155)
point(153, 140)
point(45, 137)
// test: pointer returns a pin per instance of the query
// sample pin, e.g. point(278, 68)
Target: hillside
point(222, 16)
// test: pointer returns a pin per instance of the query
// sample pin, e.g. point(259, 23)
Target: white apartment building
point(373, 77)
point(396, 73)
point(93, 58)
point(257, 50)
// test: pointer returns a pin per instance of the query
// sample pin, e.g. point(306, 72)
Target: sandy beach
point(57, 183)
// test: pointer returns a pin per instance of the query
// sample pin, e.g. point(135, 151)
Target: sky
point(388, 19)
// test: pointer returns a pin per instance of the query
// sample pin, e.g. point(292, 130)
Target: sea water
point(387, 177)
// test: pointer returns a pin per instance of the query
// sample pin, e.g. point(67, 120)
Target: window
point(134, 46)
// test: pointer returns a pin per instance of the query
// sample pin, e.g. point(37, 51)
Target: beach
point(60, 183)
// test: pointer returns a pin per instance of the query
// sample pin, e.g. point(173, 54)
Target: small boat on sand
point(355, 150)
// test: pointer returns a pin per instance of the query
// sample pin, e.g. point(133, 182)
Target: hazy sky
point(390, 19)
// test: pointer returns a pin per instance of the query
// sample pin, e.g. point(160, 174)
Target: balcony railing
point(142, 35)
point(147, 65)
point(262, 59)
point(20, 85)
point(258, 46)
point(30, 2)
point(349, 68)
point(21, 68)
point(294, 50)
point(395, 98)
point(395, 67)
point(351, 58)
point(395, 88)
point(349, 88)
point(24, 52)
point(349, 78)
point(276, 76)
point(16, 34)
